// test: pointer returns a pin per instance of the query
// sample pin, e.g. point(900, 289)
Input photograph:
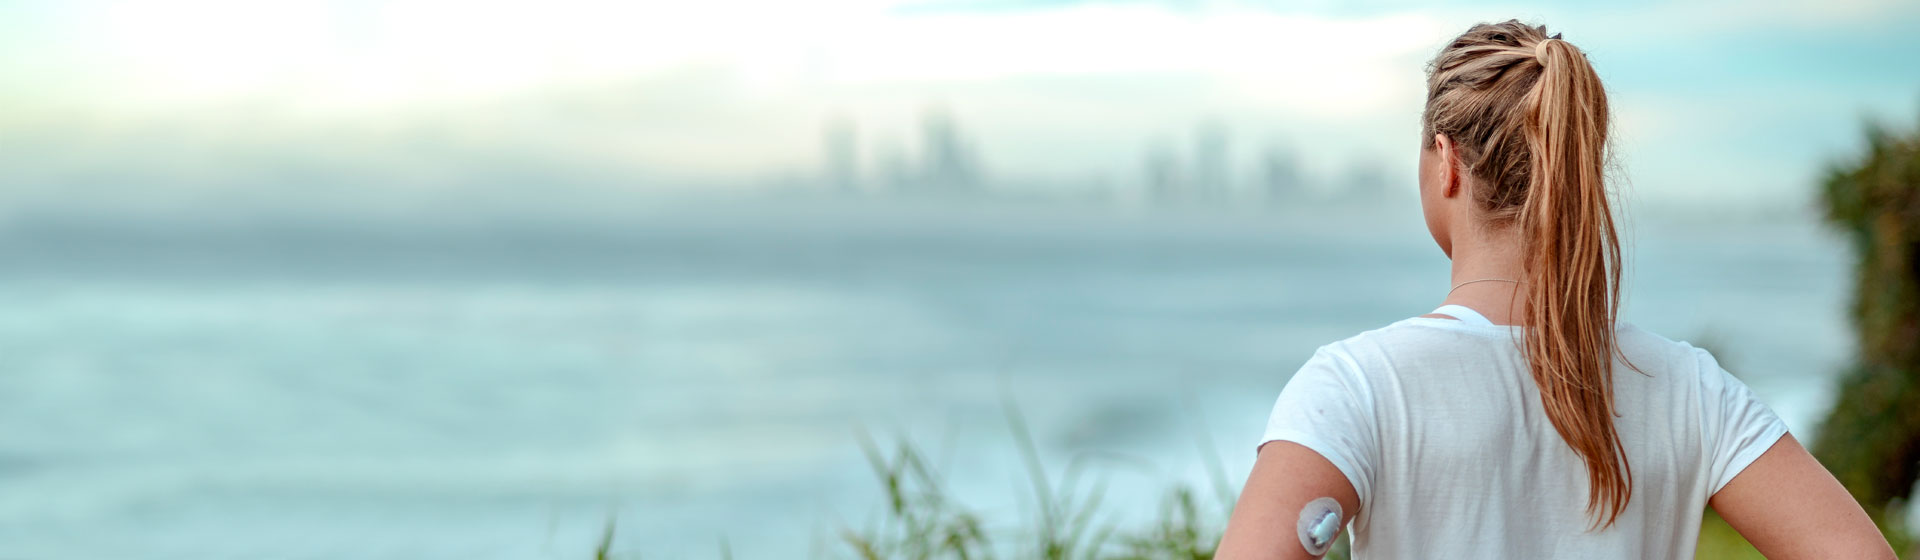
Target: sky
point(201, 104)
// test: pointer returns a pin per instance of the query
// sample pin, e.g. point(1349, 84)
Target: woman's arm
point(1285, 477)
point(1790, 507)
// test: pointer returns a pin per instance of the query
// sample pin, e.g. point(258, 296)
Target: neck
point(1480, 255)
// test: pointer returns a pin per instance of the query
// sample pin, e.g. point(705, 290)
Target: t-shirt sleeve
point(1327, 407)
point(1739, 428)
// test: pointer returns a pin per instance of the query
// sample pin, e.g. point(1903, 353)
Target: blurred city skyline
point(1198, 168)
point(210, 107)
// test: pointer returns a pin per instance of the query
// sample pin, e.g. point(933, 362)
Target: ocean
point(700, 377)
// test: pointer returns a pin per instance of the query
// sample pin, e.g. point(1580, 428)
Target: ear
point(1450, 165)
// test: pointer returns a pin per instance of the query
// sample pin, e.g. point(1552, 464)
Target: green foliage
point(1875, 199)
point(920, 520)
point(1069, 521)
point(1871, 439)
point(601, 550)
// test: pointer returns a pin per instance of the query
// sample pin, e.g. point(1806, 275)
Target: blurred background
point(425, 278)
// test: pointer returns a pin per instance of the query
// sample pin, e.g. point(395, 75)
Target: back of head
point(1528, 116)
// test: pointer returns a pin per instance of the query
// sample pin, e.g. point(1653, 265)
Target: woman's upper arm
point(1789, 507)
point(1320, 442)
point(1286, 476)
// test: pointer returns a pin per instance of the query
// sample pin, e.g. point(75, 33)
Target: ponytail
point(1529, 116)
point(1572, 269)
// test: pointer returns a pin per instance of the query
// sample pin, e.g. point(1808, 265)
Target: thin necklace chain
point(1457, 286)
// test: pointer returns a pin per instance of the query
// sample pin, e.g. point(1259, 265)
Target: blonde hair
point(1528, 116)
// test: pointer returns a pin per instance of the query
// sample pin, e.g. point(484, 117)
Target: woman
point(1519, 420)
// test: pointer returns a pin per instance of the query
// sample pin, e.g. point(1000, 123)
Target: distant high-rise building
point(1280, 175)
point(1211, 174)
point(949, 162)
point(1162, 172)
point(842, 154)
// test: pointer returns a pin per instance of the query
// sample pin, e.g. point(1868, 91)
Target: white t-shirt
point(1439, 426)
